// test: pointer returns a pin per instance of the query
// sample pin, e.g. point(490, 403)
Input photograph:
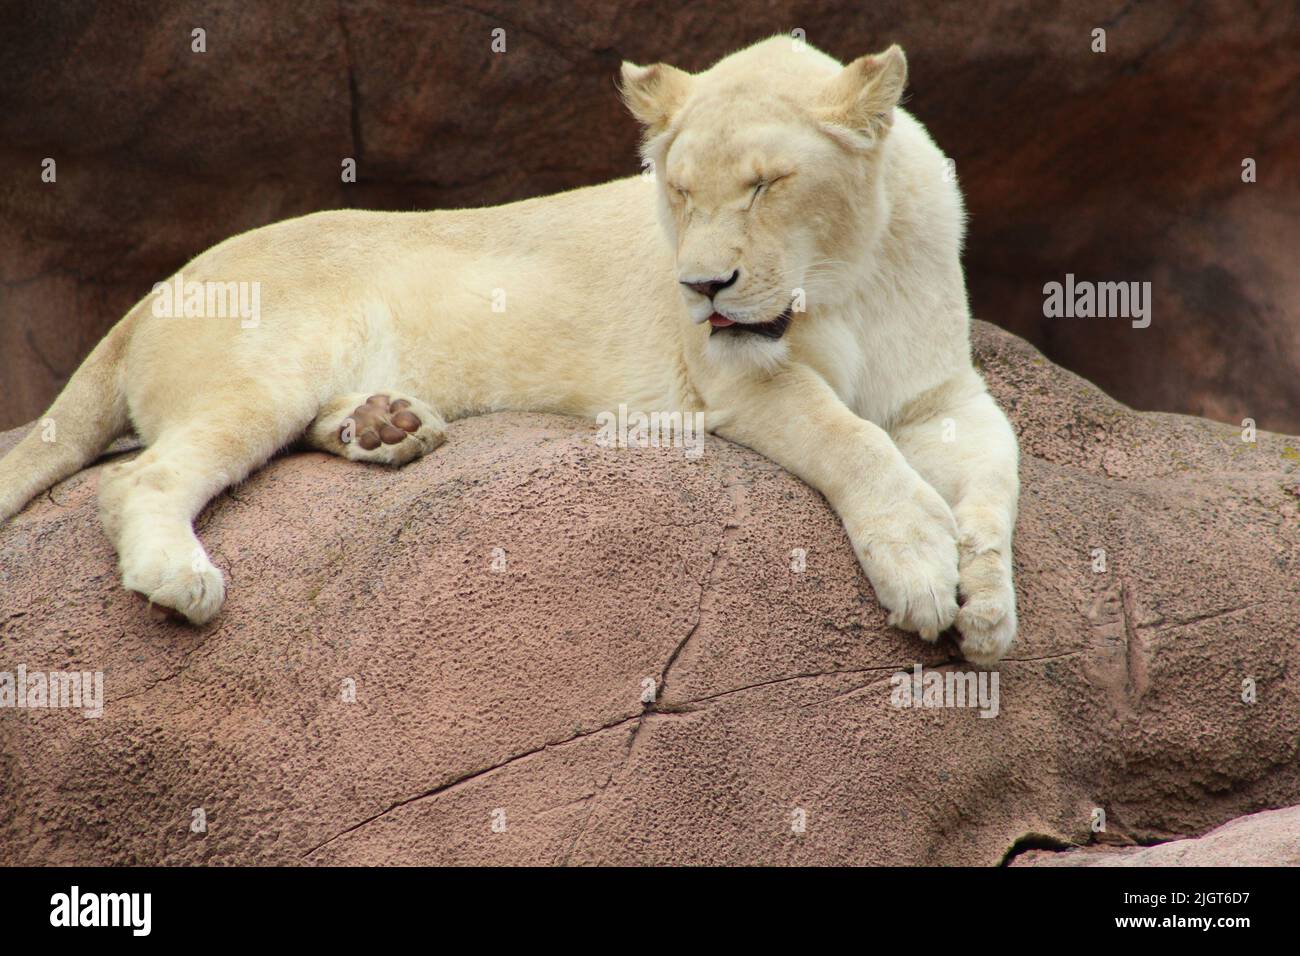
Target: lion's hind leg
point(148, 504)
point(388, 428)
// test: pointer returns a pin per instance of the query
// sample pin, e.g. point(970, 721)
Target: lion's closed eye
point(763, 184)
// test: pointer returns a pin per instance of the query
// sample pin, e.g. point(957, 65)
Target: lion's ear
point(863, 95)
point(654, 93)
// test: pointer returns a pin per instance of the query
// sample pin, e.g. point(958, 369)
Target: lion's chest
point(875, 364)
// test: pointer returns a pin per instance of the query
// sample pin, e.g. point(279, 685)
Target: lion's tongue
point(720, 321)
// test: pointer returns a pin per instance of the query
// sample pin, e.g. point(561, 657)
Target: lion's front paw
point(910, 555)
point(987, 624)
point(987, 619)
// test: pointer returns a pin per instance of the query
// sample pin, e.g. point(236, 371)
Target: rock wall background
point(1124, 165)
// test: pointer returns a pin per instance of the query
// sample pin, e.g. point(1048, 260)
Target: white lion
point(791, 269)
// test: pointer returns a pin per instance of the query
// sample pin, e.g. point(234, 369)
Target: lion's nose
point(711, 287)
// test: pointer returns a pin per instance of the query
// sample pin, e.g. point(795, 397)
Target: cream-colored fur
point(778, 166)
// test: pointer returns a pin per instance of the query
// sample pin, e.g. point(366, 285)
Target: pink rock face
point(498, 714)
point(1270, 838)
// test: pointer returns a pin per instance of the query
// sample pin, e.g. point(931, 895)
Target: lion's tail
point(88, 414)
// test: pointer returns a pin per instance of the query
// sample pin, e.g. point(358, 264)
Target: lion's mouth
point(768, 330)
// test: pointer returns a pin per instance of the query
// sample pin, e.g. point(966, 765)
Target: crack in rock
point(471, 776)
point(735, 490)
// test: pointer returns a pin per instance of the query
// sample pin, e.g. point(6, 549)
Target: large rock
point(511, 694)
point(1268, 838)
point(1124, 165)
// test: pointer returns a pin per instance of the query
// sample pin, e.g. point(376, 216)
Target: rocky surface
point(1268, 838)
point(1124, 165)
point(498, 714)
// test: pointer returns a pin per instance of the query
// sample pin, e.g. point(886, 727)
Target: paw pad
point(379, 421)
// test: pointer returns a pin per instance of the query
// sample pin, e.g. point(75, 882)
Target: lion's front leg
point(902, 530)
point(963, 445)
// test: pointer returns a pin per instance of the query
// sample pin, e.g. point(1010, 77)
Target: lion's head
point(767, 169)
